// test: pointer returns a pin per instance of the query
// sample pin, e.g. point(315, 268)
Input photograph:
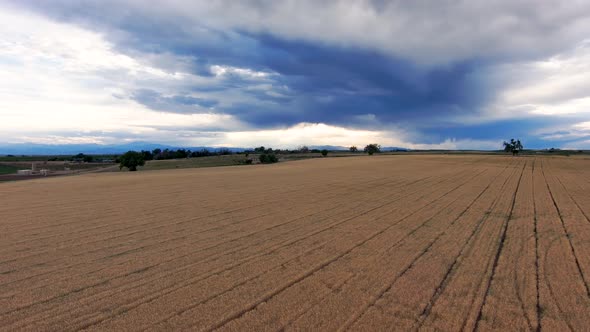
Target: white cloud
point(583, 126)
point(218, 70)
point(460, 144)
point(555, 86)
point(572, 136)
point(56, 77)
point(580, 145)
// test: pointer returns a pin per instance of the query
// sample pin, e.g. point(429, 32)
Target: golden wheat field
point(427, 242)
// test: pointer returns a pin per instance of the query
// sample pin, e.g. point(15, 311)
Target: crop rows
point(404, 242)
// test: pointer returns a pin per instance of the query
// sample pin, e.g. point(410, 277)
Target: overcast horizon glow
point(420, 74)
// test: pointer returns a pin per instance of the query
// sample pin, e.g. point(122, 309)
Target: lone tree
point(353, 149)
point(513, 146)
point(324, 152)
point(131, 159)
point(372, 148)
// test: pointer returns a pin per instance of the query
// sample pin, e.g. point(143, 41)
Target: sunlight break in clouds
point(321, 134)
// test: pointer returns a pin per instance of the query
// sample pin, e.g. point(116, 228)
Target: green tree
point(131, 159)
point(147, 155)
point(353, 149)
point(372, 148)
point(324, 152)
point(514, 146)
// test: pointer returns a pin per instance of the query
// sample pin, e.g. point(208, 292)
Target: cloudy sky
point(418, 74)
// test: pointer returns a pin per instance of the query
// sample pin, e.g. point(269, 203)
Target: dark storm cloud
point(172, 104)
point(336, 84)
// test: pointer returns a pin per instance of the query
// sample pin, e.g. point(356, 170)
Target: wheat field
point(465, 242)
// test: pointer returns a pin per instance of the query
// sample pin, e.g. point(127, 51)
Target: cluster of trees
point(370, 149)
point(85, 158)
point(134, 159)
point(267, 155)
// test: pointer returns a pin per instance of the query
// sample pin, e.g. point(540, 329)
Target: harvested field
point(362, 243)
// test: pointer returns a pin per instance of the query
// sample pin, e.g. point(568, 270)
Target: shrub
point(268, 158)
point(324, 152)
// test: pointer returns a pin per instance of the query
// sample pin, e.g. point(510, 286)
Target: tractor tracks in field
point(319, 268)
point(153, 220)
point(536, 232)
point(448, 274)
point(573, 200)
point(290, 242)
point(314, 270)
point(357, 316)
point(563, 233)
point(184, 234)
point(568, 236)
point(177, 257)
point(497, 258)
point(392, 247)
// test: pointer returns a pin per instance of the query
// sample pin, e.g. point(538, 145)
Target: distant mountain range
point(70, 149)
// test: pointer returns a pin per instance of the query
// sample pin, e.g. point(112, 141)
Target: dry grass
point(385, 242)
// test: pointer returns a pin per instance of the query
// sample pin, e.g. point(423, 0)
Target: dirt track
point(384, 242)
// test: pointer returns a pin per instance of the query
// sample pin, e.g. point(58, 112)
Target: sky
point(417, 74)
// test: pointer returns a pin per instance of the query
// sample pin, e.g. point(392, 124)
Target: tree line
point(159, 154)
point(134, 159)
